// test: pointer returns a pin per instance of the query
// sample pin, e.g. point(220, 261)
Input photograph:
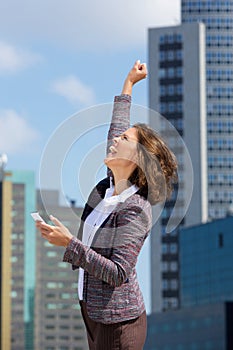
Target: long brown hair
point(157, 165)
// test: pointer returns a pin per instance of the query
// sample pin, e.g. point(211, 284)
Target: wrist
point(129, 81)
point(127, 87)
point(68, 240)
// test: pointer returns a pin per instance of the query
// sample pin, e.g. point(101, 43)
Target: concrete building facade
point(59, 324)
point(177, 92)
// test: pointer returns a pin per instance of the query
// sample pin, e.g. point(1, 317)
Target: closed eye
point(124, 137)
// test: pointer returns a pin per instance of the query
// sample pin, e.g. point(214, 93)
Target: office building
point(17, 193)
point(22, 260)
point(205, 318)
point(206, 263)
point(177, 92)
point(217, 15)
point(203, 327)
point(5, 251)
point(59, 323)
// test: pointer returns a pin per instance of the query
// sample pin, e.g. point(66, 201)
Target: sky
point(61, 63)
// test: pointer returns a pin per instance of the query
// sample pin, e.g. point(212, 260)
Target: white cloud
point(13, 59)
point(74, 91)
point(16, 134)
point(87, 25)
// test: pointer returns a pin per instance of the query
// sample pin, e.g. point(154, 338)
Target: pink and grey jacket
point(111, 290)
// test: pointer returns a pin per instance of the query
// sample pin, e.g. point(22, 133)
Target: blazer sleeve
point(133, 226)
point(120, 119)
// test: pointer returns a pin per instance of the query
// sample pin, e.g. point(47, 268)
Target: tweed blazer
point(111, 290)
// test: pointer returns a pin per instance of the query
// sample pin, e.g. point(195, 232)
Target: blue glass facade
point(205, 319)
point(218, 19)
point(207, 327)
point(206, 263)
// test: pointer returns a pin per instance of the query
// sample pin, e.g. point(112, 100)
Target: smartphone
point(36, 217)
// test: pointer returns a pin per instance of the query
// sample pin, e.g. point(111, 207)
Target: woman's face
point(123, 150)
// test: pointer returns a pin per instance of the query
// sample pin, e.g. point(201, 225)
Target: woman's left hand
point(57, 235)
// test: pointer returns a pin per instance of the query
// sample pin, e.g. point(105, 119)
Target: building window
point(179, 72)
point(171, 72)
point(51, 254)
point(171, 107)
point(171, 39)
point(165, 248)
point(165, 284)
point(50, 337)
point(162, 56)
point(50, 295)
point(179, 89)
point(220, 240)
point(162, 73)
point(51, 306)
point(171, 89)
point(174, 266)
point(50, 326)
point(65, 296)
point(50, 316)
point(179, 55)
point(14, 294)
point(162, 90)
point(162, 40)
point(173, 248)
point(62, 265)
point(170, 303)
point(64, 337)
point(171, 55)
point(164, 266)
point(174, 284)
point(51, 285)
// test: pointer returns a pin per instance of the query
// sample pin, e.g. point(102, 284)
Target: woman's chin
point(107, 160)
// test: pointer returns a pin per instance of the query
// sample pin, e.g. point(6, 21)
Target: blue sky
point(60, 58)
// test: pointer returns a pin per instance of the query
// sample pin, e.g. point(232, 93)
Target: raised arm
point(121, 110)
point(137, 73)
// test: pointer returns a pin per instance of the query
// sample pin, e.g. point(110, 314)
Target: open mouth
point(112, 150)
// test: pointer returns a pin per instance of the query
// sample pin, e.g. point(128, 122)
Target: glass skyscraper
point(206, 263)
point(218, 18)
point(177, 91)
point(203, 327)
point(205, 318)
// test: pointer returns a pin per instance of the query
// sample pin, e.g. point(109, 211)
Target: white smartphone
point(36, 217)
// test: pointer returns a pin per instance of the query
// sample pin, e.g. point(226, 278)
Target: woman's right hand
point(137, 73)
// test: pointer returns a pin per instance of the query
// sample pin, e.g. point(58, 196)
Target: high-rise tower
point(58, 322)
point(218, 18)
point(5, 251)
point(177, 91)
point(23, 261)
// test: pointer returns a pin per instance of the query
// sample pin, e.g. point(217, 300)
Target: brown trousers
point(127, 335)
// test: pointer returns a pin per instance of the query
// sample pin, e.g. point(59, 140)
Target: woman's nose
point(116, 139)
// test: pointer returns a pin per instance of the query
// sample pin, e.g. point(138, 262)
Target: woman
point(115, 223)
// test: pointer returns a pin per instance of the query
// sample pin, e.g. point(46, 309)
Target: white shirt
point(95, 219)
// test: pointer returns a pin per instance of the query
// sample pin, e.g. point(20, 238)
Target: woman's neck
point(121, 181)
